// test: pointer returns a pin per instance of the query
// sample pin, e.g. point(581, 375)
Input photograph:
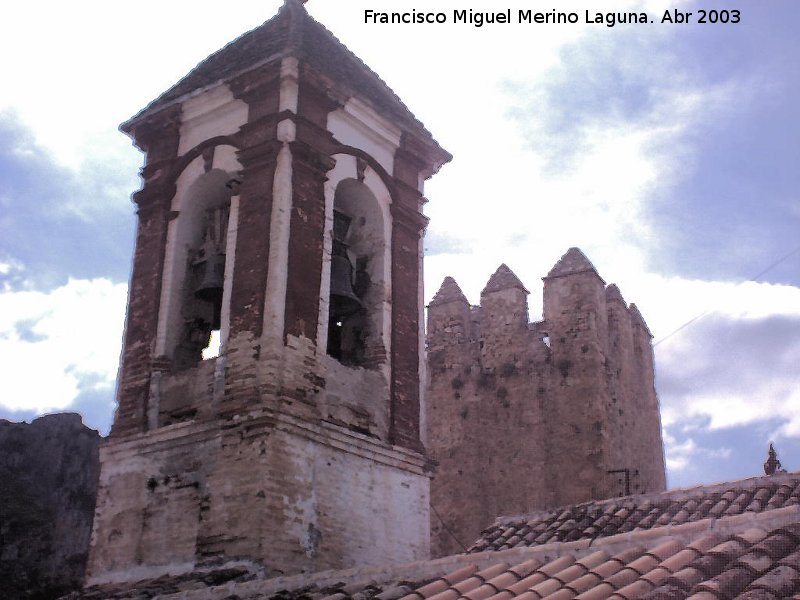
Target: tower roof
point(503, 279)
point(574, 261)
point(291, 32)
point(613, 293)
point(448, 292)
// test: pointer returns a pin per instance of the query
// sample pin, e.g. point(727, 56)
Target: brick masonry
point(274, 454)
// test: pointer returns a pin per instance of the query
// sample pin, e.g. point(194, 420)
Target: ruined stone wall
point(485, 423)
point(49, 471)
point(527, 415)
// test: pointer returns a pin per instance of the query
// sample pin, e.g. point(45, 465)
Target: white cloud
point(52, 344)
point(679, 455)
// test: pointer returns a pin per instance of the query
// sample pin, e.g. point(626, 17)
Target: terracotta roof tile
point(680, 559)
point(793, 560)
point(758, 595)
point(600, 592)
point(665, 592)
point(608, 568)
point(606, 518)
point(557, 565)
point(623, 577)
point(586, 582)
point(777, 545)
point(729, 550)
point(441, 584)
point(564, 593)
point(751, 536)
point(705, 543)
point(780, 581)
point(727, 584)
point(524, 569)
point(644, 564)
point(705, 596)
point(657, 576)
point(686, 578)
point(793, 530)
point(633, 590)
point(719, 558)
point(709, 565)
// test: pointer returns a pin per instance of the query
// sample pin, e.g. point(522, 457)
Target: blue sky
point(668, 153)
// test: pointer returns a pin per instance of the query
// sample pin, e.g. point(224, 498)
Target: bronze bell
point(344, 301)
point(210, 288)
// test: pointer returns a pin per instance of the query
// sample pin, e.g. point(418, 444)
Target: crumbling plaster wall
point(275, 492)
point(528, 415)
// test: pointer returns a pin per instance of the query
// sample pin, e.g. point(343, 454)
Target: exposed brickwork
point(309, 168)
point(274, 454)
point(252, 244)
point(525, 416)
point(405, 330)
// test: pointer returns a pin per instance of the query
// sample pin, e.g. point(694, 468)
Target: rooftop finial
point(773, 465)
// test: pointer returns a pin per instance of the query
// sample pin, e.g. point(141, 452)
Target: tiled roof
point(292, 31)
point(598, 519)
point(749, 565)
point(730, 541)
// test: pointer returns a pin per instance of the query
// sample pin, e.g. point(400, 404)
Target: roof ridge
point(296, 41)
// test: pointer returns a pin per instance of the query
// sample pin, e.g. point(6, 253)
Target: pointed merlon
point(637, 317)
point(503, 279)
point(613, 293)
point(448, 292)
point(573, 262)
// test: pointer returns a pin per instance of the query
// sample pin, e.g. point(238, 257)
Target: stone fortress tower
point(280, 214)
point(524, 416)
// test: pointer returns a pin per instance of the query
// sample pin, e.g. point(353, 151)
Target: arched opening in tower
point(357, 277)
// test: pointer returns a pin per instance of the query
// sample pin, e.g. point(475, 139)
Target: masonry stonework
point(280, 214)
point(48, 475)
point(530, 415)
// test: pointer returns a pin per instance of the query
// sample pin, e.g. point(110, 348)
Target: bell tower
point(269, 389)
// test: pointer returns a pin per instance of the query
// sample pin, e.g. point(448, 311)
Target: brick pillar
point(307, 227)
point(252, 240)
point(407, 227)
point(158, 137)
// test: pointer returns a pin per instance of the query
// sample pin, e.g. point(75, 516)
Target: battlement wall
point(527, 415)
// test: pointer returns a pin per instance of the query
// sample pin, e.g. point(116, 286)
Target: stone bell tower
point(269, 391)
